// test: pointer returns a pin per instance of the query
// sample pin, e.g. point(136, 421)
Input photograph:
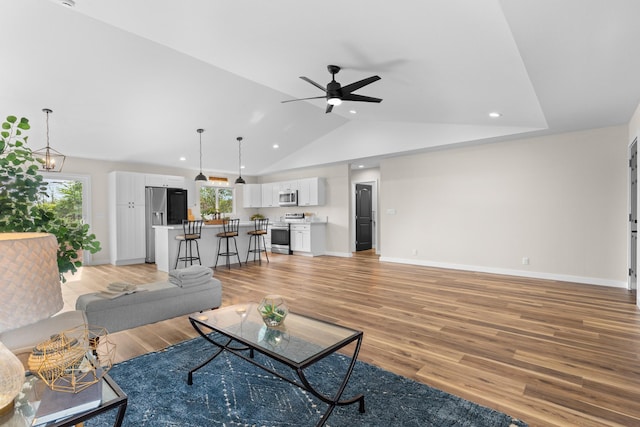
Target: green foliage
point(272, 312)
point(216, 199)
point(21, 190)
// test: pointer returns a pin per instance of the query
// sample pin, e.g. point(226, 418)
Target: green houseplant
point(22, 186)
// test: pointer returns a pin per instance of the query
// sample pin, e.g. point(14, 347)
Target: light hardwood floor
point(549, 353)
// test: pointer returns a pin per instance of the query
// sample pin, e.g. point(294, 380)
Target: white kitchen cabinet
point(130, 245)
point(270, 192)
point(311, 192)
point(300, 238)
point(128, 187)
point(169, 181)
point(308, 239)
point(252, 195)
point(126, 218)
point(287, 185)
point(267, 237)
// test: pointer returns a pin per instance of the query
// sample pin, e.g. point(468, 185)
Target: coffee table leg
point(220, 348)
point(120, 417)
point(335, 401)
point(190, 377)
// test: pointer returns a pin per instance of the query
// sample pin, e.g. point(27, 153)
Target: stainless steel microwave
point(288, 198)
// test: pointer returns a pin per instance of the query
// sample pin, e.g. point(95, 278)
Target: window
point(216, 199)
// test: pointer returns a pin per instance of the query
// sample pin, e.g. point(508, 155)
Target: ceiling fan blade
point(329, 108)
point(308, 80)
point(361, 98)
point(357, 85)
point(303, 99)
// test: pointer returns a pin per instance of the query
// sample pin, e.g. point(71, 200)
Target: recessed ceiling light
point(242, 167)
point(495, 114)
point(182, 159)
point(68, 3)
point(276, 146)
point(360, 166)
point(353, 111)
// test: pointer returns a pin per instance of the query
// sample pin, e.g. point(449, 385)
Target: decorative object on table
point(11, 378)
point(256, 216)
point(73, 360)
point(50, 160)
point(56, 405)
point(273, 337)
point(273, 310)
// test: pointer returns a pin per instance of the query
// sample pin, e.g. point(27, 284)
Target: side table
point(26, 405)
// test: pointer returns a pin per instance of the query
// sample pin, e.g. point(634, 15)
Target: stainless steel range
point(281, 233)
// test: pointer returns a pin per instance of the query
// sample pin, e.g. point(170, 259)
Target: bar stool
point(191, 234)
point(229, 231)
point(261, 228)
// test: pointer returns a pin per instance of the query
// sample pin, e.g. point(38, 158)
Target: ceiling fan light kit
point(336, 93)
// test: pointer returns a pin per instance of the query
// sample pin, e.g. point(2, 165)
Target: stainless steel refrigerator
point(163, 206)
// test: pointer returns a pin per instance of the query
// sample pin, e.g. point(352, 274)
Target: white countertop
point(242, 224)
point(179, 226)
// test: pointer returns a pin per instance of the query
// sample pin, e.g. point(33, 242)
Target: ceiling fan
point(335, 93)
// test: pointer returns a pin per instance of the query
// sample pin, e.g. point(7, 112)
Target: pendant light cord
point(47, 111)
point(240, 156)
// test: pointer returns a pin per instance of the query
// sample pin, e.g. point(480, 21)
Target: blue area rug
point(232, 392)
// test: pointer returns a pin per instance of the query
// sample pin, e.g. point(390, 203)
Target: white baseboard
point(509, 272)
point(339, 254)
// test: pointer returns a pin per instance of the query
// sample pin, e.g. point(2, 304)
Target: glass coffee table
point(30, 397)
point(299, 343)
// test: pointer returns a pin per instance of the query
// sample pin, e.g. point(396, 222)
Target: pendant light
point(50, 160)
point(200, 176)
point(240, 180)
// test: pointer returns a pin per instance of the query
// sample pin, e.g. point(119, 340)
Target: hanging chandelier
point(200, 176)
point(239, 180)
point(50, 160)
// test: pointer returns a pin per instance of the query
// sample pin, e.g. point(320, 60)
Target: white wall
point(559, 200)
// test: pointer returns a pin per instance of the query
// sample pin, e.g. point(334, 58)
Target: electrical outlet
point(525, 260)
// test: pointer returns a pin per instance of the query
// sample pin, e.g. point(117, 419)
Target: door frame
point(375, 232)
point(87, 257)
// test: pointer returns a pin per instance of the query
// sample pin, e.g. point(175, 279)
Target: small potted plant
point(273, 310)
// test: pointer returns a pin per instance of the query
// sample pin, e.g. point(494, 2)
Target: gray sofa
point(151, 303)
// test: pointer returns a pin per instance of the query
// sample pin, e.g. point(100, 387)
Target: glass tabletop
point(299, 340)
point(27, 402)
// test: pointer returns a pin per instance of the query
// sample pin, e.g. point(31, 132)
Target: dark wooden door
point(364, 229)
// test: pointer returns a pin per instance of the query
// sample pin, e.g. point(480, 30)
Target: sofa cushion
point(151, 303)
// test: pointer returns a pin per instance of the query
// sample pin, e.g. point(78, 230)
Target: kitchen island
point(167, 245)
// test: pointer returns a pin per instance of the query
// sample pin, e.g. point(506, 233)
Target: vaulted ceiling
point(132, 80)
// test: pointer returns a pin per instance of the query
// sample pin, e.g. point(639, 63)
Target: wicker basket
point(58, 354)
